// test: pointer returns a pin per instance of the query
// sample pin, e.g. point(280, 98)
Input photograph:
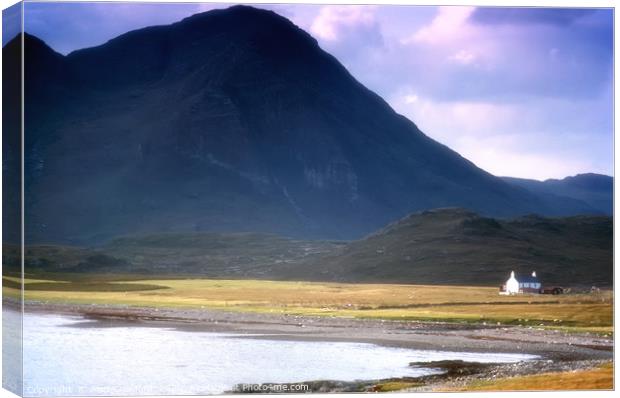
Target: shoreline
point(557, 350)
point(463, 337)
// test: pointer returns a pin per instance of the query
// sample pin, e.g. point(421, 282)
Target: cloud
point(504, 160)
point(444, 119)
point(529, 16)
point(539, 139)
point(351, 33)
point(513, 61)
point(411, 98)
point(523, 100)
point(334, 22)
point(450, 24)
point(463, 57)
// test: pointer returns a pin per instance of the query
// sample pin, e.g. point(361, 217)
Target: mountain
point(11, 138)
point(444, 246)
point(456, 246)
point(231, 120)
point(596, 190)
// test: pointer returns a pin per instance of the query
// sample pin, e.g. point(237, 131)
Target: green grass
point(575, 312)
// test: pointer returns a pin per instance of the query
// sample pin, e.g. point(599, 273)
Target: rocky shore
point(556, 350)
point(455, 375)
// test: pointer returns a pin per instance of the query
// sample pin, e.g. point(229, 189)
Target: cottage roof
point(527, 279)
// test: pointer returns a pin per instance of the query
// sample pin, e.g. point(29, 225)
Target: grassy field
point(601, 378)
point(591, 312)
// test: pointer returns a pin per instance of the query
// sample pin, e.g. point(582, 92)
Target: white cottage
point(512, 285)
point(521, 284)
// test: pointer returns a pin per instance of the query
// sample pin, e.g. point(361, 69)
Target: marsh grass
point(60, 286)
point(601, 378)
point(583, 312)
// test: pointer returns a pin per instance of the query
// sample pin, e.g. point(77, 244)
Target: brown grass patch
point(601, 378)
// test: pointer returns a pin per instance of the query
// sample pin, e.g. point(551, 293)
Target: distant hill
point(455, 246)
point(595, 190)
point(228, 121)
point(203, 253)
point(444, 246)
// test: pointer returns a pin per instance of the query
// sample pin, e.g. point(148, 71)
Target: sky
point(523, 92)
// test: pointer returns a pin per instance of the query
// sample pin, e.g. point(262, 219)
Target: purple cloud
point(529, 15)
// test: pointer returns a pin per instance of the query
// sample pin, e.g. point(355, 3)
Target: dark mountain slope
point(231, 120)
point(596, 190)
point(455, 246)
point(11, 138)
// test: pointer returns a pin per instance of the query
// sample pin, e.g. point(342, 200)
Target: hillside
point(444, 246)
point(236, 255)
point(455, 246)
point(596, 190)
point(228, 121)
